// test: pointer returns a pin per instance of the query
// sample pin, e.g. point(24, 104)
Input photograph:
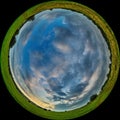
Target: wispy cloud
point(88, 48)
point(92, 81)
point(26, 38)
point(64, 48)
point(35, 95)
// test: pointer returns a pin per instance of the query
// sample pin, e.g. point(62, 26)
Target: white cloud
point(37, 90)
point(45, 105)
point(58, 71)
point(64, 48)
point(88, 88)
point(36, 72)
point(88, 48)
point(84, 79)
point(23, 29)
point(92, 81)
point(24, 42)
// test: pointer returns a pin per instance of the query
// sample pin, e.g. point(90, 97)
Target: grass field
point(114, 68)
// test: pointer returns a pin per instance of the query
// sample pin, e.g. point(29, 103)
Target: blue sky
point(60, 59)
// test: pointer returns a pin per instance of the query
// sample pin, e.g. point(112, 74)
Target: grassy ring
point(114, 67)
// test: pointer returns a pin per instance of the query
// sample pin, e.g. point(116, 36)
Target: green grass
point(108, 34)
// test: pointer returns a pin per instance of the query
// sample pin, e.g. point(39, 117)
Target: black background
point(10, 10)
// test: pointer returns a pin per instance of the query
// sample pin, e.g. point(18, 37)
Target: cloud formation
point(60, 59)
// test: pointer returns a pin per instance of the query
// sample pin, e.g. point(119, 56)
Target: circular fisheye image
point(59, 59)
point(60, 66)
